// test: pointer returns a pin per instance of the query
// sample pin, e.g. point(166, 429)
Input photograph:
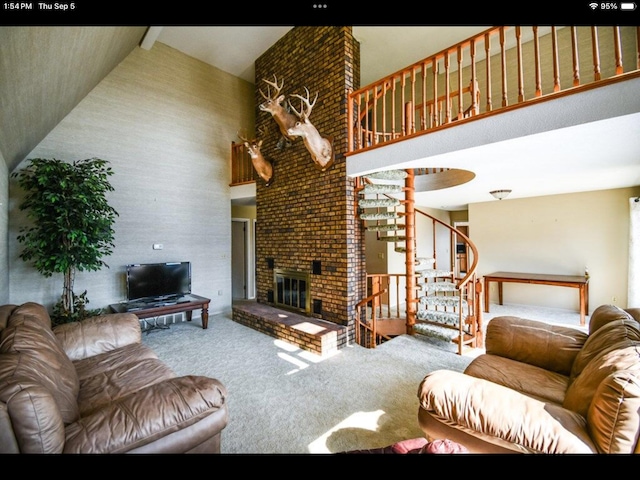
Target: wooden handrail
point(552, 57)
point(468, 286)
point(359, 324)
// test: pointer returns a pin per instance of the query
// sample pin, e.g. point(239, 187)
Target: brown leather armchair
point(543, 388)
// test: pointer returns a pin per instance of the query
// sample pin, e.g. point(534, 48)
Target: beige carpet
point(284, 400)
point(549, 315)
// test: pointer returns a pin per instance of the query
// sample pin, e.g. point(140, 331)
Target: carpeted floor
point(283, 400)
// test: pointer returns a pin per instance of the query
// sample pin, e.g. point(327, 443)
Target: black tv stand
point(186, 304)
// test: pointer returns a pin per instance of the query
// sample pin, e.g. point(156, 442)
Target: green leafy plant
point(79, 311)
point(72, 227)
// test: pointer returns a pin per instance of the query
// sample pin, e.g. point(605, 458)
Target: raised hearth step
point(315, 335)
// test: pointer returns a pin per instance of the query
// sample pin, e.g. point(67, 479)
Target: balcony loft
point(546, 94)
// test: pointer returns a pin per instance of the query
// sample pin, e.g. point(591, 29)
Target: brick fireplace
point(306, 220)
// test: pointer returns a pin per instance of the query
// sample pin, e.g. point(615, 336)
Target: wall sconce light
point(500, 194)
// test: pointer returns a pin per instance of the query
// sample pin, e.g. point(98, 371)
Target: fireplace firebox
point(291, 290)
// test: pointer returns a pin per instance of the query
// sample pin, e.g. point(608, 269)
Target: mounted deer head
point(318, 146)
point(273, 105)
point(263, 167)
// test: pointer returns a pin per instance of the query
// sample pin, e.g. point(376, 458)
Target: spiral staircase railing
point(429, 298)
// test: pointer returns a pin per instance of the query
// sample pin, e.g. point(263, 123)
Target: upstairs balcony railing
point(241, 166)
point(500, 69)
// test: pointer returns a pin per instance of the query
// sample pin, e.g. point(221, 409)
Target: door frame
point(249, 256)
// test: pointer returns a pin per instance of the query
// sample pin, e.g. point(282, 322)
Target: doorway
point(239, 258)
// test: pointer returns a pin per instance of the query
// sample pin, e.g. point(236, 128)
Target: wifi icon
point(593, 5)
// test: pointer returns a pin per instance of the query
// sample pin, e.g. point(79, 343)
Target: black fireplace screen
point(291, 289)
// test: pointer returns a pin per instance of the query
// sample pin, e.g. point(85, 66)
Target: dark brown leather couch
point(93, 387)
point(543, 388)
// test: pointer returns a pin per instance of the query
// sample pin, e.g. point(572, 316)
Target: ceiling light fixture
point(500, 194)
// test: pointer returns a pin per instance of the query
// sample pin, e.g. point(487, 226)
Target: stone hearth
point(314, 335)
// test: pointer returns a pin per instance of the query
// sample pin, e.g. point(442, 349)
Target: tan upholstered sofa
point(93, 387)
point(543, 388)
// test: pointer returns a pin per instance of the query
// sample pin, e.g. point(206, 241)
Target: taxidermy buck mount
point(319, 147)
point(283, 117)
point(263, 167)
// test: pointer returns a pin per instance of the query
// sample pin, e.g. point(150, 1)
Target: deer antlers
point(304, 113)
point(273, 105)
point(298, 125)
point(273, 84)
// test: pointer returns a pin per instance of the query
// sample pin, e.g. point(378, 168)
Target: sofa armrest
point(502, 416)
point(153, 415)
point(99, 334)
point(552, 347)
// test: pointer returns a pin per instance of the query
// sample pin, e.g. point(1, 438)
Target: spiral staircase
point(437, 302)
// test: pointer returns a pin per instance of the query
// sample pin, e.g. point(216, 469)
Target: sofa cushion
point(605, 314)
point(30, 311)
point(552, 347)
point(615, 347)
point(502, 416)
point(634, 312)
point(534, 381)
point(99, 364)
point(614, 414)
point(109, 386)
point(41, 360)
point(99, 334)
point(35, 419)
point(607, 337)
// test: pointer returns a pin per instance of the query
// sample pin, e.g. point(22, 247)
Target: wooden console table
point(188, 305)
point(580, 282)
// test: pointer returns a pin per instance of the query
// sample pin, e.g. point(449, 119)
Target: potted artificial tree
point(72, 225)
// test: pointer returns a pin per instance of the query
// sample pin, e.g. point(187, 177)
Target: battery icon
point(627, 6)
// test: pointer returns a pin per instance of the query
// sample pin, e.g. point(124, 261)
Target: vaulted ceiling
point(47, 71)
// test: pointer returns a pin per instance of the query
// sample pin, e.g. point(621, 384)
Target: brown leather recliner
point(93, 387)
point(543, 388)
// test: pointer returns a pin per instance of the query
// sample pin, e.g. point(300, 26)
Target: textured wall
point(46, 71)
point(307, 215)
point(557, 234)
point(4, 232)
point(165, 122)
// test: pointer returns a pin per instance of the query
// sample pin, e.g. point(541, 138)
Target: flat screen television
point(157, 281)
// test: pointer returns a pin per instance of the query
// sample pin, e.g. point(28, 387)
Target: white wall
point(165, 122)
point(559, 234)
